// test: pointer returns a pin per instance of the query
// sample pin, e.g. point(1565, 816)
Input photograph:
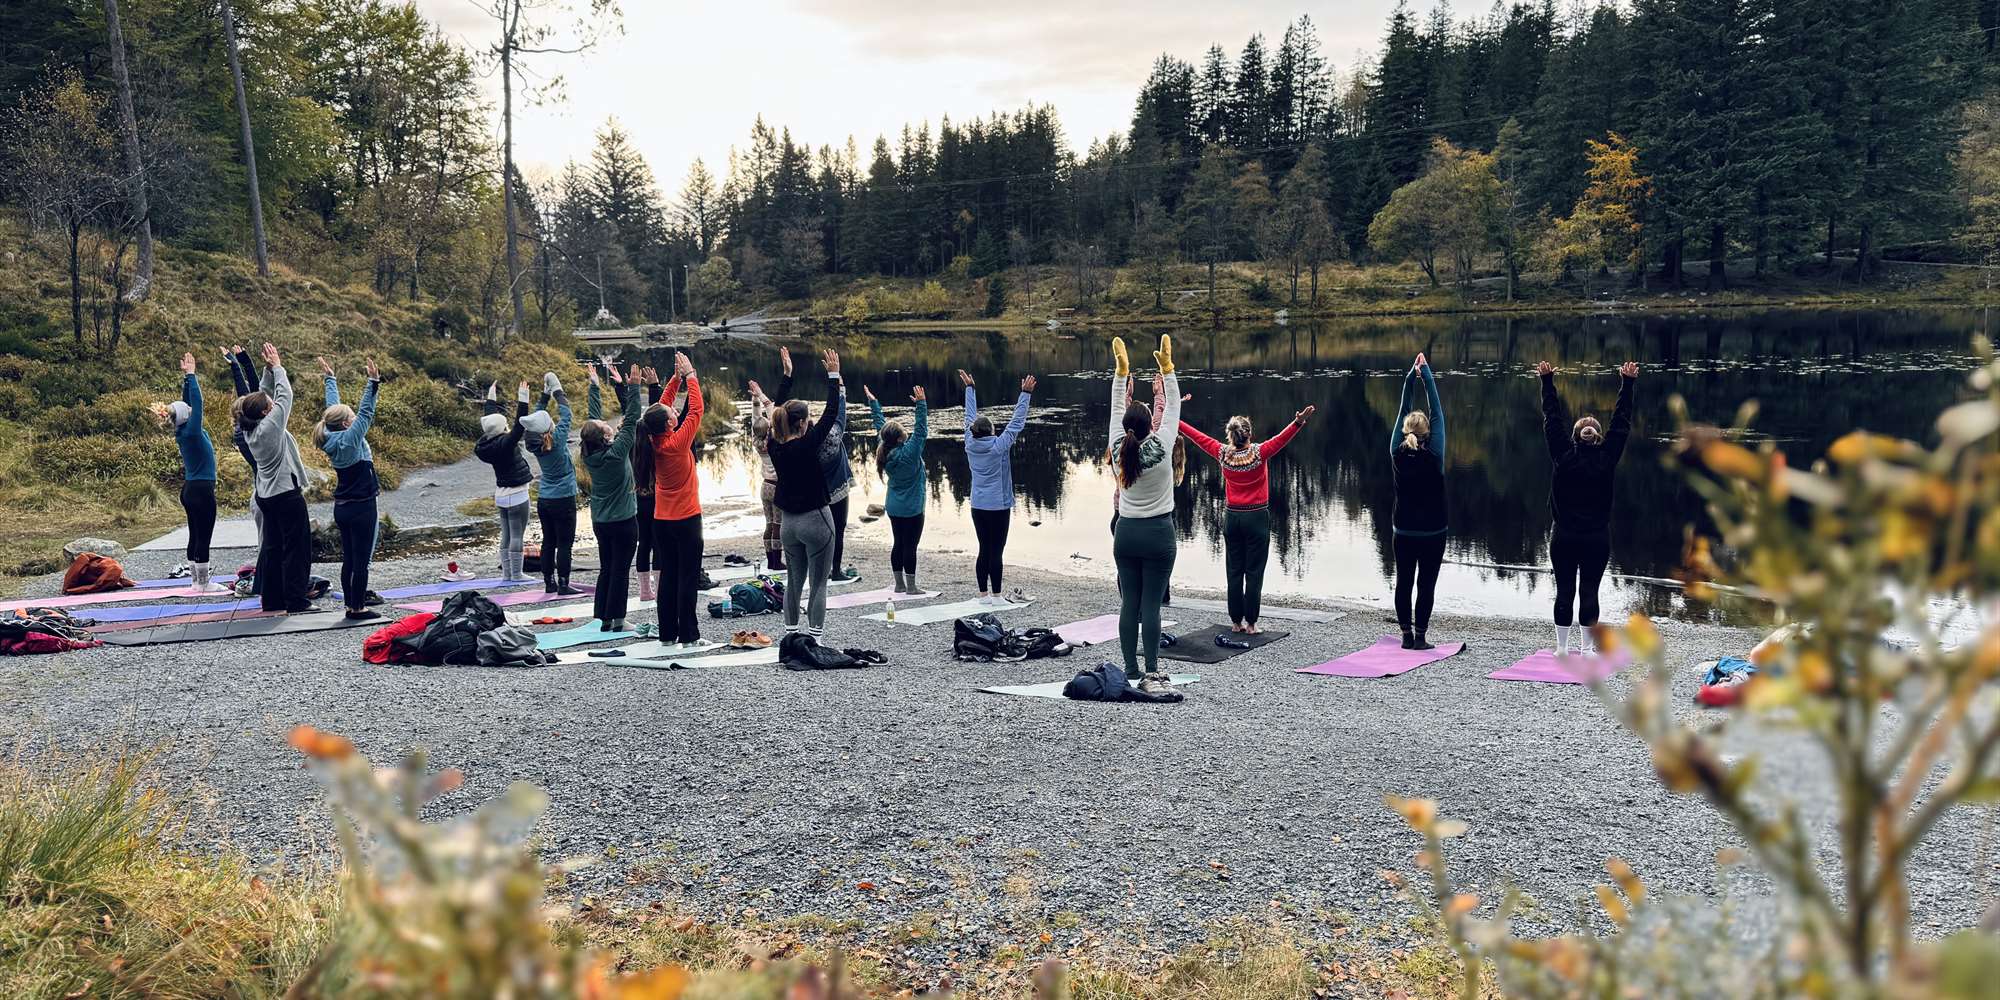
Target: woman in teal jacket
point(900, 460)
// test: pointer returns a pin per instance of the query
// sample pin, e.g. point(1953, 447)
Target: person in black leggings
point(1585, 456)
point(1416, 456)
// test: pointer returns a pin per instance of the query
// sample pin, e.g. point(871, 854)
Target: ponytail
point(1237, 431)
point(892, 439)
point(1416, 429)
point(1138, 423)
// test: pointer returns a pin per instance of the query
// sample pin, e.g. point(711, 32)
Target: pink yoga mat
point(1578, 668)
point(532, 595)
point(1090, 631)
point(867, 597)
point(103, 597)
point(1386, 658)
point(194, 619)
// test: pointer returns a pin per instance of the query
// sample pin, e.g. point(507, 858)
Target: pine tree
point(1212, 94)
point(1249, 105)
point(1398, 116)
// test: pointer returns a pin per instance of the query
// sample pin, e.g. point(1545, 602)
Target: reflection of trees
point(1825, 379)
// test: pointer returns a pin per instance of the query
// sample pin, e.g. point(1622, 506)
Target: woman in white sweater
point(1143, 545)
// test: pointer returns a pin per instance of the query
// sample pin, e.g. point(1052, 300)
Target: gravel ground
point(780, 792)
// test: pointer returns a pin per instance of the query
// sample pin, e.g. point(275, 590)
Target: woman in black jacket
point(500, 447)
point(801, 495)
point(1585, 457)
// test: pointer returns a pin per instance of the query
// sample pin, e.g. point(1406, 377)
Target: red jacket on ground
point(1246, 479)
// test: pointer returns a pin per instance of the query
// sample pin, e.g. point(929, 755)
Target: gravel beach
point(758, 788)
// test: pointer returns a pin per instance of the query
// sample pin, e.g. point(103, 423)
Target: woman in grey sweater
point(1144, 542)
point(284, 558)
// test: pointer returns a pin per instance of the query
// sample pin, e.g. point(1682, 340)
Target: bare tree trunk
point(76, 278)
point(249, 145)
point(142, 276)
point(507, 158)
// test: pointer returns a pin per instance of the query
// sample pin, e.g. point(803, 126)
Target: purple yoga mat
point(1386, 658)
point(149, 612)
point(874, 597)
point(1546, 667)
point(195, 619)
point(433, 589)
point(102, 597)
point(532, 595)
point(1090, 631)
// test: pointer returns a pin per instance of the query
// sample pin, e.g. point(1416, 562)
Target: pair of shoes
point(1019, 596)
point(1169, 639)
point(305, 609)
point(371, 599)
point(614, 625)
point(867, 656)
point(563, 588)
point(604, 654)
point(1156, 683)
point(551, 620)
point(362, 614)
point(748, 639)
point(647, 630)
point(732, 559)
point(1417, 641)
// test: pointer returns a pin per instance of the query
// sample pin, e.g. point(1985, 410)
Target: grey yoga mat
point(1054, 689)
point(1199, 646)
point(752, 657)
point(236, 628)
point(1267, 611)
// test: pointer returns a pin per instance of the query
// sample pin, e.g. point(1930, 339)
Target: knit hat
point(537, 422)
point(180, 412)
point(493, 423)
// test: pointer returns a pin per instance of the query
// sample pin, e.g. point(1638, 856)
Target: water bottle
point(728, 607)
point(889, 611)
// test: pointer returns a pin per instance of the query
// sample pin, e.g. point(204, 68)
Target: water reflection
point(1815, 375)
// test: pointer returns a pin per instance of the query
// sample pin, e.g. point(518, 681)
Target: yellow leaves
point(1814, 671)
point(318, 745)
point(1674, 771)
point(1903, 536)
point(1642, 635)
point(1627, 879)
point(1851, 447)
point(668, 982)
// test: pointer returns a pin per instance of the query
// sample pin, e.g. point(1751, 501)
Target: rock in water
point(102, 546)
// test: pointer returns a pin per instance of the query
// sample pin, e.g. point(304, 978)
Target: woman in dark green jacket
point(613, 510)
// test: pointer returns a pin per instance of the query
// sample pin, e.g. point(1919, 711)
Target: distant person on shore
point(1145, 542)
point(284, 558)
point(1585, 457)
point(677, 541)
point(833, 464)
point(991, 458)
point(614, 509)
point(343, 434)
point(642, 490)
point(808, 524)
point(899, 460)
point(1417, 459)
point(500, 447)
point(1246, 518)
point(555, 506)
point(197, 474)
point(761, 411)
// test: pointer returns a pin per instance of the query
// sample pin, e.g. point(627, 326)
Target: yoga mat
point(185, 582)
point(588, 633)
point(236, 628)
point(433, 589)
point(1091, 631)
point(579, 612)
point(1386, 658)
point(212, 616)
point(746, 658)
point(875, 597)
point(228, 535)
point(717, 593)
point(126, 596)
point(511, 599)
point(932, 613)
point(650, 649)
point(149, 612)
point(1054, 689)
point(1199, 646)
point(1267, 611)
point(1544, 666)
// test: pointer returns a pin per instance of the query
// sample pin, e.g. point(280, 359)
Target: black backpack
point(1106, 682)
point(453, 636)
point(798, 651)
point(1042, 642)
point(983, 639)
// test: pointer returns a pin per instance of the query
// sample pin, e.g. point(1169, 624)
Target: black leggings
point(558, 517)
point(356, 521)
point(615, 542)
point(643, 549)
point(1417, 560)
point(1580, 561)
point(838, 509)
point(284, 560)
point(907, 532)
point(1246, 539)
point(198, 499)
point(991, 527)
point(677, 546)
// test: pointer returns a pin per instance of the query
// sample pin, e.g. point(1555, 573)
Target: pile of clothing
point(981, 638)
point(94, 574)
point(1107, 682)
point(44, 630)
point(469, 630)
point(799, 651)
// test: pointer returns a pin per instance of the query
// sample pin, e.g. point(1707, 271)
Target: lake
point(1816, 374)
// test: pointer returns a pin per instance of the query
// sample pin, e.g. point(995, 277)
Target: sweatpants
point(558, 517)
point(1417, 560)
point(355, 520)
point(643, 532)
point(1144, 551)
point(906, 532)
point(1579, 561)
point(677, 548)
point(1246, 548)
point(198, 499)
point(284, 560)
point(991, 527)
point(615, 542)
point(808, 541)
point(513, 534)
point(838, 509)
point(774, 519)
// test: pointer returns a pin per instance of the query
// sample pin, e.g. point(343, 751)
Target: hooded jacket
point(502, 450)
point(558, 469)
point(992, 458)
point(353, 461)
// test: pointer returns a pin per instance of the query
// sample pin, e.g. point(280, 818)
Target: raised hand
point(1304, 415)
point(591, 370)
point(917, 394)
point(756, 391)
point(868, 394)
point(682, 366)
point(651, 375)
point(1544, 369)
point(831, 358)
point(271, 355)
point(521, 391)
point(1629, 369)
point(492, 390)
point(785, 358)
point(1120, 357)
point(374, 374)
point(1164, 357)
point(964, 379)
point(187, 363)
point(1028, 384)
point(324, 368)
point(1186, 396)
point(1422, 362)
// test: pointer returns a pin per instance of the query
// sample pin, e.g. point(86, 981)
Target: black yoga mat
point(237, 628)
point(1199, 646)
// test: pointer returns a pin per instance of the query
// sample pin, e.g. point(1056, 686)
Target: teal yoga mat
point(583, 635)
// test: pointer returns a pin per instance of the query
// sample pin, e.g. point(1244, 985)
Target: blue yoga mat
point(148, 612)
point(433, 589)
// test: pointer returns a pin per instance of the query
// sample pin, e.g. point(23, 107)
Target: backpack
point(510, 646)
point(92, 573)
point(754, 598)
point(1106, 682)
point(453, 636)
point(1041, 643)
point(982, 638)
point(798, 651)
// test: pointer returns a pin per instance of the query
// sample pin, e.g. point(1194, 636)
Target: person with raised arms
point(899, 460)
point(499, 446)
point(1417, 459)
point(343, 434)
point(1246, 516)
point(284, 557)
point(1144, 546)
point(991, 459)
point(794, 446)
point(197, 474)
point(614, 510)
point(1584, 458)
point(677, 541)
point(555, 506)
point(833, 464)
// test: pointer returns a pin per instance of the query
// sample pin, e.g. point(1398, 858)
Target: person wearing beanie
point(500, 448)
point(197, 476)
point(343, 434)
point(548, 440)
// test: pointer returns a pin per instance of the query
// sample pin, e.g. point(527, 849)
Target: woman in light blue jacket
point(343, 434)
point(555, 507)
point(991, 457)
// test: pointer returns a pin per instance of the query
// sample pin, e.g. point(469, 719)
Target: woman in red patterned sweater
point(1246, 524)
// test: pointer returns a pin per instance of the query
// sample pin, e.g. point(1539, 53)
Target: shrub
point(415, 406)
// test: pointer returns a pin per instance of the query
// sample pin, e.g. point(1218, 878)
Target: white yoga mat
point(648, 649)
point(743, 658)
point(580, 612)
point(933, 613)
point(228, 535)
point(1267, 611)
point(1054, 689)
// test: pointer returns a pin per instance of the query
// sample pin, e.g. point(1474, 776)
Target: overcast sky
point(686, 79)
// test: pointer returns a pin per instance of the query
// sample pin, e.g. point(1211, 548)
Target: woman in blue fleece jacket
point(343, 434)
point(197, 473)
point(900, 460)
point(991, 458)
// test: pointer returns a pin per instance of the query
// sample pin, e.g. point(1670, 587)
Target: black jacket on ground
point(503, 451)
point(1580, 486)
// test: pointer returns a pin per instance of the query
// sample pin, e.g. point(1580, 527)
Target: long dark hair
point(892, 438)
point(642, 457)
point(1138, 423)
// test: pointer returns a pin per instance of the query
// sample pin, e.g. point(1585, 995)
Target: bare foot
point(1251, 630)
point(1236, 626)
